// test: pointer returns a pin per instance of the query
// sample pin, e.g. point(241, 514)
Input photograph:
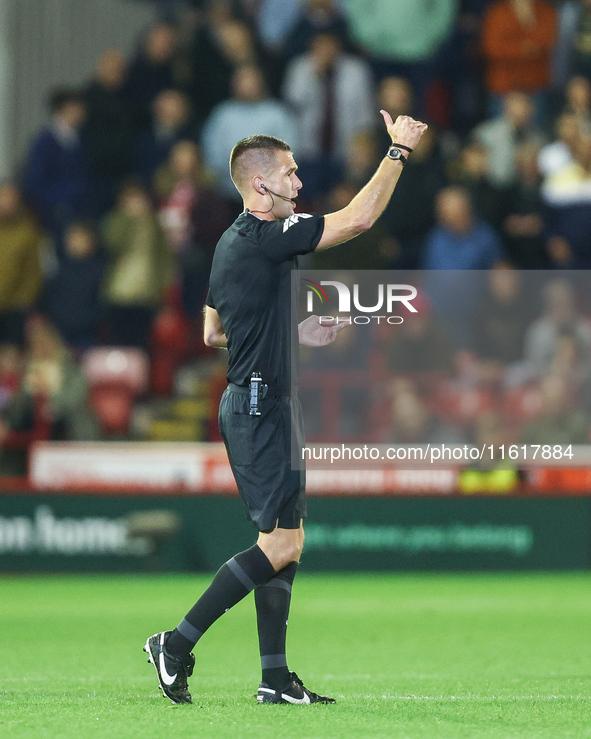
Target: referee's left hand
point(313, 332)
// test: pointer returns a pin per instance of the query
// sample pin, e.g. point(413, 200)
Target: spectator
point(410, 214)
point(517, 39)
point(395, 96)
point(413, 422)
point(250, 111)
point(275, 19)
point(170, 124)
point(362, 159)
point(152, 71)
point(558, 155)
point(369, 250)
point(459, 242)
point(578, 100)
point(560, 421)
point(560, 317)
point(71, 298)
point(420, 344)
point(20, 269)
point(523, 226)
point(193, 217)
point(109, 130)
point(399, 50)
point(458, 98)
point(568, 211)
point(503, 316)
point(316, 16)
point(56, 175)
point(568, 14)
point(219, 48)
point(581, 46)
point(54, 382)
point(472, 175)
point(139, 268)
point(502, 135)
point(331, 94)
point(570, 361)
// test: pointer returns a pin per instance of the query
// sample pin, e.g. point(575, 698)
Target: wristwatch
point(396, 155)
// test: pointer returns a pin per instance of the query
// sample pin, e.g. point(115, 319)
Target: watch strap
point(402, 146)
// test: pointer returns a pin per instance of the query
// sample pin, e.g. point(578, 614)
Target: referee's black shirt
point(250, 288)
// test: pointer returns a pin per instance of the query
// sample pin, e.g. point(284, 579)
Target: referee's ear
point(259, 185)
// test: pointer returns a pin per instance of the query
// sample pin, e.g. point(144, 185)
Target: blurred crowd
point(108, 227)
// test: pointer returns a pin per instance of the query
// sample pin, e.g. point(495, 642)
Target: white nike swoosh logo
point(169, 679)
point(289, 699)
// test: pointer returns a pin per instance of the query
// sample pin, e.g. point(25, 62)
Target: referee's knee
point(291, 553)
point(298, 546)
point(282, 546)
point(280, 551)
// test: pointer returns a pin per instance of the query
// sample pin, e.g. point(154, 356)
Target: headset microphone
point(277, 195)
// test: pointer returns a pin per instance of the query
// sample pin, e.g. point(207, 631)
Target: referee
point(249, 312)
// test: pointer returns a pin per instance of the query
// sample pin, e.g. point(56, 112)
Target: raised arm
point(369, 203)
point(213, 331)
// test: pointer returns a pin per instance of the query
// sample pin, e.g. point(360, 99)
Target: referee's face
point(284, 181)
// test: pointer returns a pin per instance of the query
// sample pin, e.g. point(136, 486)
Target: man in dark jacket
point(108, 133)
point(56, 177)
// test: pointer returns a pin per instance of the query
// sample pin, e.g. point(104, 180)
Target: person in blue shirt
point(56, 182)
point(459, 244)
point(460, 240)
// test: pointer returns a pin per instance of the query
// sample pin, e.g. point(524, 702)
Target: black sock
point(272, 604)
point(232, 582)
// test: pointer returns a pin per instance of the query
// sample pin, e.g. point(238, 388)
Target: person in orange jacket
point(517, 40)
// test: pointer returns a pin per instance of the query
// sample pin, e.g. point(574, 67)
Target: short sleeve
point(209, 300)
point(298, 234)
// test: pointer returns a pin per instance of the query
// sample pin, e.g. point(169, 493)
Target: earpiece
point(263, 187)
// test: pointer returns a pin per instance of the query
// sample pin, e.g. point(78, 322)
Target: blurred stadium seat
point(116, 376)
point(521, 404)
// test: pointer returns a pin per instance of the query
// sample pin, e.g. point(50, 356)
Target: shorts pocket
point(239, 431)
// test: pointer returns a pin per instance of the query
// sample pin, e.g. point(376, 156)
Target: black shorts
point(260, 451)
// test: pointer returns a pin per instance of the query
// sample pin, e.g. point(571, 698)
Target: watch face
point(396, 154)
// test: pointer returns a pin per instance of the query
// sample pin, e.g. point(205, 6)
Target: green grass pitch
point(410, 656)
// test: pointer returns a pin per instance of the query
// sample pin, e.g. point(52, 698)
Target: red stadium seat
point(117, 366)
point(170, 345)
point(113, 405)
point(116, 376)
